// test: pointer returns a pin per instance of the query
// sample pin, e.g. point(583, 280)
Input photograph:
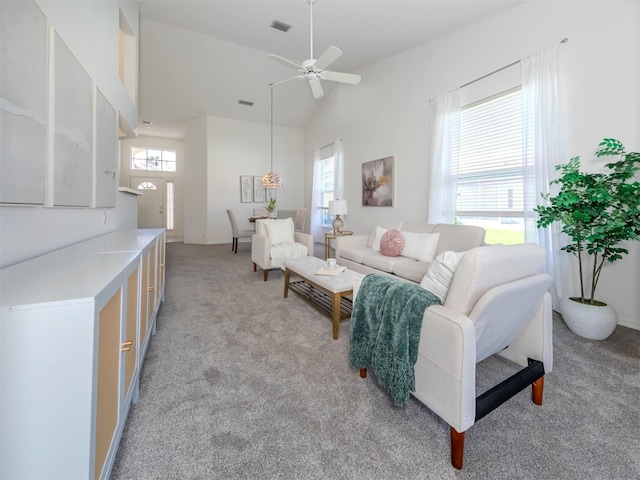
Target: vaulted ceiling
point(202, 57)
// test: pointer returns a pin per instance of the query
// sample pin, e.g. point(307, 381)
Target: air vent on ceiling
point(278, 25)
point(245, 102)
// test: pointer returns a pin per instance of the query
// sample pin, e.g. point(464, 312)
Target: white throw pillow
point(440, 273)
point(376, 241)
point(280, 230)
point(420, 246)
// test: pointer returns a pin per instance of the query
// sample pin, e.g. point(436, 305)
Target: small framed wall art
point(377, 182)
point(258, 191)
point(246, 188)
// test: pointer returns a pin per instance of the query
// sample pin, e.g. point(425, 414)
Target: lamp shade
point(270, 180)
point(338, 207)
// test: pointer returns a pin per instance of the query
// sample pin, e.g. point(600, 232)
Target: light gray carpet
point(240, 383)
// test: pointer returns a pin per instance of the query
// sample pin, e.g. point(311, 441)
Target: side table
point(328, 236)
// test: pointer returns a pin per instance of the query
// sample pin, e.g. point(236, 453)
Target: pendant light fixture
point(271, 179)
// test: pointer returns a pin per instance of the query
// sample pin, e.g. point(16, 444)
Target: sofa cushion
point(483, 268)
point(440, 273)
point(417, 227)
point(380, 231)
point(355, 254)
point(385, 226)
point(420, 246)
point(411, 270)
point(458, 238)
point(392, 243)
point(280, 230)
point(380, 262)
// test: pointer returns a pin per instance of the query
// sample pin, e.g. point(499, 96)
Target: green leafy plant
point(271, 205)
point(598, 211)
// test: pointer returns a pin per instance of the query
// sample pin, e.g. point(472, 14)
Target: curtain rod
point(564, 40)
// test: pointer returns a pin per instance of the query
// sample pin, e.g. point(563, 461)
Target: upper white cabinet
point(72, 341)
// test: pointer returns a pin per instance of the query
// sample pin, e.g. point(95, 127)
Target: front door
point(150, 211)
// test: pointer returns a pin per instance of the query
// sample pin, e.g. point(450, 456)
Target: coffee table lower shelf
point(323, 301)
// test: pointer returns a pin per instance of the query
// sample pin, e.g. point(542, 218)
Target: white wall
point(195, 182)
point(388, 113)
point(90, 30)
point(231, 148)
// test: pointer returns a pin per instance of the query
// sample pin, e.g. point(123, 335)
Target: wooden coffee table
point(329, 294)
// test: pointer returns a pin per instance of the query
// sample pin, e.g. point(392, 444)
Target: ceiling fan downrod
point(311, 2)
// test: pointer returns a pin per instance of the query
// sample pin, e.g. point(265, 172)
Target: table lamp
point(337, 208)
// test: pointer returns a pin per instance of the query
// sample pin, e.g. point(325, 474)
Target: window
point(147, 186)
point(488, 167)
point(327, 166)
point(153, 159)
point(170, 205)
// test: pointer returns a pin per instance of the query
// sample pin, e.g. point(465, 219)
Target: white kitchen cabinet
point(70, 353)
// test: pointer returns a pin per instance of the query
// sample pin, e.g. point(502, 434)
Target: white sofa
point(359, 253)
point(497, 303)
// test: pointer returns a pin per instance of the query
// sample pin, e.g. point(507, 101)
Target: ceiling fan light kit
point(313, 69)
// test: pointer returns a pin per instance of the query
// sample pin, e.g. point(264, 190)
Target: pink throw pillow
point(391, 243)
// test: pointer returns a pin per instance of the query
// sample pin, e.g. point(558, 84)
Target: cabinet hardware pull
point(150, 289)
point(126, 346)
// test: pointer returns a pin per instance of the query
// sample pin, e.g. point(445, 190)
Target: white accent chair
point(497, 304)
point(237, 232)
point(274, 241)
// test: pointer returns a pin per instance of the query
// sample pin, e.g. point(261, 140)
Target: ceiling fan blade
point(329, 56)
point(316, 88)
point(349, 78)
point(286, 62)
point(275, 84)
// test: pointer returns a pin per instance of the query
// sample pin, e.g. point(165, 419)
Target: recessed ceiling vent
point(245, 102)
point(278, 25)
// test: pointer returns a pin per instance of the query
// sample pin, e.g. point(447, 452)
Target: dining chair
point(237, 233)
point(260, 212)
point(300, 219)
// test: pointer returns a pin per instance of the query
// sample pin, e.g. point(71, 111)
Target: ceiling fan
point(314, 70)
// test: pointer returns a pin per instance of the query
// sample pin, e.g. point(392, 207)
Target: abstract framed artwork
point(246, 188)
point(258, 191)
point(377, 183)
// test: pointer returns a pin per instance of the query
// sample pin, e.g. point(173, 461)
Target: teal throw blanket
point(385, 331)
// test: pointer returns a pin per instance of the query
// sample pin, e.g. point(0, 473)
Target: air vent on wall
point(245, 102)
point(278, 25)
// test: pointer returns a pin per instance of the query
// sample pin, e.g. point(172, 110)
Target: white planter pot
point(595, 322)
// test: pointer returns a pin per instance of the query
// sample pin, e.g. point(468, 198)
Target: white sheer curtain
point(445, 134)
point(319, 155)
point(315, 214)
point(541, 150)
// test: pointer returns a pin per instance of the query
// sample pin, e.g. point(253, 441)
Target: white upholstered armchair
point(274, 241)
point(497, 303)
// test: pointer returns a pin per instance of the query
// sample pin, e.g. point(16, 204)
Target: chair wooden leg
point(265, 274)
point(235, 250)
point(537, 389)
point(457, 448)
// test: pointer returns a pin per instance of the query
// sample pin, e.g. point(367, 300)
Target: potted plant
point(598, 211)
point(271, 207)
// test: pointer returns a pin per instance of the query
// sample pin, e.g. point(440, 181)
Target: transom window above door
point(153, 159)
